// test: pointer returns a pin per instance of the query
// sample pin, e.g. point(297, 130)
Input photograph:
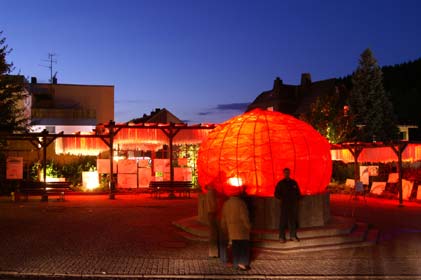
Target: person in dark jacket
point(288, 191)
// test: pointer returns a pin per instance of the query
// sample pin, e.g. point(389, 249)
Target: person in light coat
point(235, 223)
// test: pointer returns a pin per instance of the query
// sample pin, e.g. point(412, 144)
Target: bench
point(182, 188)
point(52, 188)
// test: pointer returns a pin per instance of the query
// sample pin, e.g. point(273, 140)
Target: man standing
point(288, 192)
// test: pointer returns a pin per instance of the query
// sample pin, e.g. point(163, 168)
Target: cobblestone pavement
point(132, 237)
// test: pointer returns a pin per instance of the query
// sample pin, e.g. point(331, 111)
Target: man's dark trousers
point(289, 214)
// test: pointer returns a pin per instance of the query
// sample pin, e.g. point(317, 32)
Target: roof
point(293, 99)
point(158, 116)
point(70, 85)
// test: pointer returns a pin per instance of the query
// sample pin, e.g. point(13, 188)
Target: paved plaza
point(91, 237)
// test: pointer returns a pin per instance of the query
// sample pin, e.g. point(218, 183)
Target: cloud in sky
point(241, 107)
point(204, 113)
point(233, 106)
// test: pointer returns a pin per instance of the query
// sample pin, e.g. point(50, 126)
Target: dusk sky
point(203, 60)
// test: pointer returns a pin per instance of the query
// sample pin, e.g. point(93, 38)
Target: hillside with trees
point(402, 85)
point(402, 82)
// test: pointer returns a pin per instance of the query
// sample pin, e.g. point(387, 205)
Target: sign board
point(127, 166)
point(14, 168)
point(103, 166)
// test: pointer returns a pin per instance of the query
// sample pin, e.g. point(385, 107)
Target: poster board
point(161, 165)
point(143, 163)
point(373, 170)
point(393, 178)
point(364, 174)
point(407, 189)
point(126, 180)
point(378, 188)
point(103, 166)
point(350, 183)
point(182, 162)
point(14, 168)
point(127, 166)
point(182, 174)
point(145, 176)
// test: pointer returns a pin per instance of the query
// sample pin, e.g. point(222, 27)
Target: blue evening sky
point(200, 58)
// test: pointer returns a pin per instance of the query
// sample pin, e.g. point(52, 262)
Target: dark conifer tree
point(12, 90)
point(370, 105)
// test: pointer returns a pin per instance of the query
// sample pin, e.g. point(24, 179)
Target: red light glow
point(256, 146)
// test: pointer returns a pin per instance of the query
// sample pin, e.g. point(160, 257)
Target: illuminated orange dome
point(252, 150)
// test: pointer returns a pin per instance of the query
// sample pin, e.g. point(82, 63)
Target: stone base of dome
point(314, 211)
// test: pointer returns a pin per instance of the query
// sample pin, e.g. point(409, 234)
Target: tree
point(370, 105)
point(329, 116)
point(12, 90)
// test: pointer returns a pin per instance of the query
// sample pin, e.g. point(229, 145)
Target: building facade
point(69, 107)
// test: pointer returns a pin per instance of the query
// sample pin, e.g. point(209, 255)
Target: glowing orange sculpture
point(252, 150)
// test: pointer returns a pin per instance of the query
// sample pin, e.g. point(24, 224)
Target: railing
point(46, 113)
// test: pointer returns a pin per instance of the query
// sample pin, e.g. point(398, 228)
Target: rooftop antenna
point(51, 61)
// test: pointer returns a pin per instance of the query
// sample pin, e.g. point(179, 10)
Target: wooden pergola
point(108, 133)
point(355, 148)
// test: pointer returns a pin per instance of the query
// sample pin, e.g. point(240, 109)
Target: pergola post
point(356, 150)
point(109, 141)
point(399, 149)
point(171, 133)
point(111, 147)
point(44, 143)
point(171, 158)
point(44, 196)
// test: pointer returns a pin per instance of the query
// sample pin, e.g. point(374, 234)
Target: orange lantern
point(252, 149)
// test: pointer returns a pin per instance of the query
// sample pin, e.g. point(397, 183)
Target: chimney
point(33, 80)
point(305, 79)
point(277, 85)
point(54, 80)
